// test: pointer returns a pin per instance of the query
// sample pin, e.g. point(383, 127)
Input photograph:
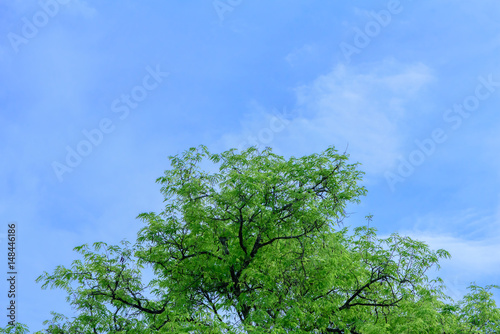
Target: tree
point(260, 247)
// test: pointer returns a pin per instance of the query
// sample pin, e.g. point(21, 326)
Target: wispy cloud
point(359, 108)
point(260, 127)
point(34, 18)
point(355, 109)
point(473, 240)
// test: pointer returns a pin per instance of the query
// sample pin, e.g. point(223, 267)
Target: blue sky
point(412, 89)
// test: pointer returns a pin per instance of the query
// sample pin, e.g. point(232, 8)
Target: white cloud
point(479, 256)
point(473, 241)
point(472, 260)
point(358, 109)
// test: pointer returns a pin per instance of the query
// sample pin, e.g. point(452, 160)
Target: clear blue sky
point(411, 88)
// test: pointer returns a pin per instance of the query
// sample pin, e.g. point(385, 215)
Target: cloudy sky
point(95, 96)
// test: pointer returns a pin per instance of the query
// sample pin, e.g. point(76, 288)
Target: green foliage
point(17, 329)
point(259, 247)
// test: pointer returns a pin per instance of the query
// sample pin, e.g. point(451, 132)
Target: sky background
point(411, 89)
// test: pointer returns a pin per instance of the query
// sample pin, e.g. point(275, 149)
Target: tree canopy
point(260, 246)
